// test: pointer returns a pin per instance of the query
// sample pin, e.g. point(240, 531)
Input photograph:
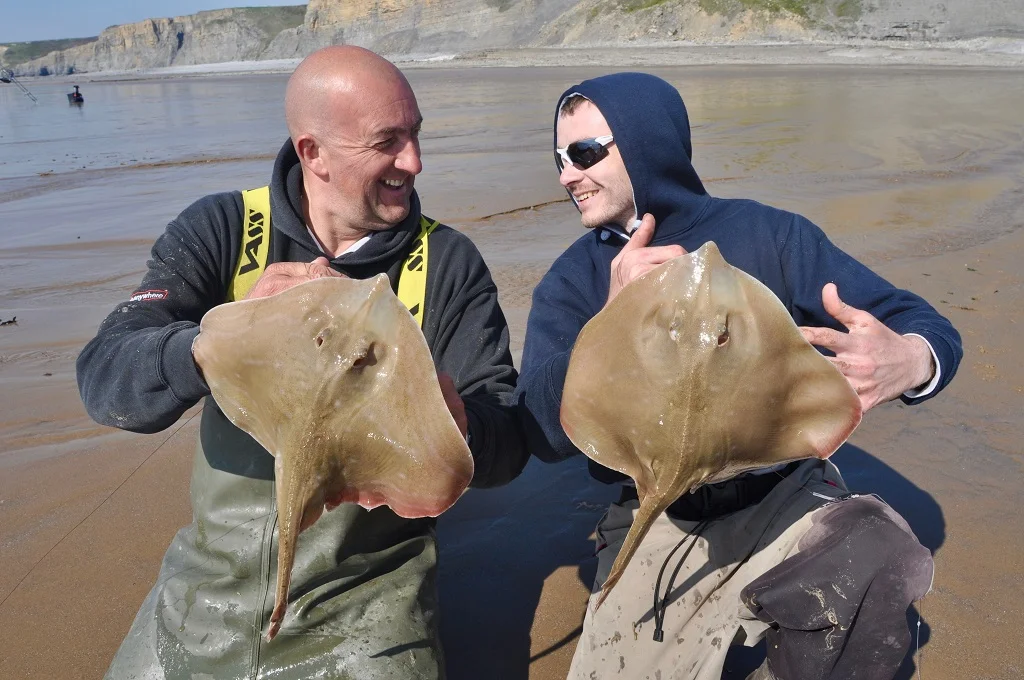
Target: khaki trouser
point(761, 546)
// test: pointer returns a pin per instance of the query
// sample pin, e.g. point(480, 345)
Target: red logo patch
point(148, 295)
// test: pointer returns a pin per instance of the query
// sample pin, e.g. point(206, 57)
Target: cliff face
point(419, 26)
point(611, 21)
point(206, 37)
point(936, 19)
point(446, 26)
point(120, 47)
point(404, 27)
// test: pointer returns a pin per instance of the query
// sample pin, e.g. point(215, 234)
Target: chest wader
point(362, 602)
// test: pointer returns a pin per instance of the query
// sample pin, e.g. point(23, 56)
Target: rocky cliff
point(609, 21)
point(422, 27)
point(206, 37)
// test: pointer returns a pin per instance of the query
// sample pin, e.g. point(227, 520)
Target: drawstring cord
point(660, 604)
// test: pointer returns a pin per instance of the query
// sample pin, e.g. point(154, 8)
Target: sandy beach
point(915, 168)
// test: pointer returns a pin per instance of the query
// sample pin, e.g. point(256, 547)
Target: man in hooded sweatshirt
point(341, 202)
point(785, 553)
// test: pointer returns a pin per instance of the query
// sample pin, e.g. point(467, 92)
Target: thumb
point(321, 268)
point(643, 235)
point(836, 308)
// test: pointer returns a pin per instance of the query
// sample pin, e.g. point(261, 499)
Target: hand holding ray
point(638, 257)
point(694, 373)
point(334, 378)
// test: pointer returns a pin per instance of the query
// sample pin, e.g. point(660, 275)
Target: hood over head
point(652, 132)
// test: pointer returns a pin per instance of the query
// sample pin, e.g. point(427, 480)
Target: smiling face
point(372, 154)
point(603, 191)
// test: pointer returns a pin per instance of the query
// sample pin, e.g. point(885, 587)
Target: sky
point(24, 20)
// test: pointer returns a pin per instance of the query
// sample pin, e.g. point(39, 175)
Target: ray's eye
point(369, 358)
point(723, 337)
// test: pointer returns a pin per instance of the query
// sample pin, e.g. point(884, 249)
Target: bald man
point(341, 202)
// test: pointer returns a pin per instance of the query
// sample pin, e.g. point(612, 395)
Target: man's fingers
point(843, 313)
point(662, 253)
point(656, 255)
point(865, 391)
point(642, 236)
point(321, 268)
point(281, 276)
point(318, 268)
point(286, 269)
point(305, 271)
point(642, 261)
point(824, 337)
point(639, 269)
point(844, 368)
point(317, 271)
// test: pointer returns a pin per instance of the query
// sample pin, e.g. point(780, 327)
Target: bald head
point(328, 84)
point(354, 124)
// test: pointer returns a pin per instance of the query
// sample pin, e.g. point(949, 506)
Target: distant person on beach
point(341, 203)
point(826, 575)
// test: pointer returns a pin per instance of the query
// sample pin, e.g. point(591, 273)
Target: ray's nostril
point(319, 340)
point(723, 338)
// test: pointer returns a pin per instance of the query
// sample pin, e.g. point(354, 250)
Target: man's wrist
point(929, 367)
point(923, 361)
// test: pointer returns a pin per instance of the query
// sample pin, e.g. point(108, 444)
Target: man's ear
point(310, 155)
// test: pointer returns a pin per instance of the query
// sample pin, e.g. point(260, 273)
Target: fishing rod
point(7, 76)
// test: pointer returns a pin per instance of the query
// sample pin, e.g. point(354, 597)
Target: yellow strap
point(412, 282)
point(252, 259)
point(252, 256)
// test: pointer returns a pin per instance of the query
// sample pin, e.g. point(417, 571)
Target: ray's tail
point(299, 504)
point(649, 510)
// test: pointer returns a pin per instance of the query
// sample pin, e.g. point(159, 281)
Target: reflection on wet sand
point(918, 172)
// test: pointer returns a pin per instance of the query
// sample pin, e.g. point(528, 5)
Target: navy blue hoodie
point(783, 250)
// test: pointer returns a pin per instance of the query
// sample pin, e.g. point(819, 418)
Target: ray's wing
point(694, 373)
point(796, 404)
point(336, 380)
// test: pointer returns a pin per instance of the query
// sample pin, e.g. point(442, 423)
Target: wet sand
point(918, 172)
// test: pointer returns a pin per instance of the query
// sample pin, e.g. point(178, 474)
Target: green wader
point(363, 595)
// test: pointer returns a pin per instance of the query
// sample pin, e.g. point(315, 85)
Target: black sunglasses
point(584, 153)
